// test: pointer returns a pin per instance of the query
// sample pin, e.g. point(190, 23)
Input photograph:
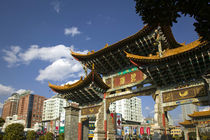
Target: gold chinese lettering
point(133, 77)
point(122, 80)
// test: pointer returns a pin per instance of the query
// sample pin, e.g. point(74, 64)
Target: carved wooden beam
point(116, 61)
point(107, 61)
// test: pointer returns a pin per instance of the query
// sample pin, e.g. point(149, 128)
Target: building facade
point(129, 108)
point(30, 109)
point(53, 112)
point(188, 109)
point(52, 108)
point(10, 106)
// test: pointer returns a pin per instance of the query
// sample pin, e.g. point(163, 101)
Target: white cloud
point(46, 53)
point(87, 38)
point(1, 105)
point(62, 64)
point(14, 56)
point(21, 91)
point(72, 31)
point(152, 112)
point(205, 108)
point(89, 23)
point(6, 90)
point(56, 6)
point(147, 108)
point(59, 70)
point(11, 56)
point(70, 82)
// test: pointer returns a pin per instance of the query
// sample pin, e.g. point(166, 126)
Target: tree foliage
point(61, 136)
point(14, 131)
point(31, 135)
point(49, 136)
point(42, 137)
point(2, 121)
point(166, 12)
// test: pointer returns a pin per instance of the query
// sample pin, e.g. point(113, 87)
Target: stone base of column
point(111, 135)
point(159, 130)
point(99, 135)
point(71, 123)
point(110, 128)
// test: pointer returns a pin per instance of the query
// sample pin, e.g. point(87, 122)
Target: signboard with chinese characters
point(127, 78)
point(184, 93)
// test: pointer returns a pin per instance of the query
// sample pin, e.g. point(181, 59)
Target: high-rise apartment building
point(188, 109)
point(129, 108)
point(30, 109)
point(10, 106)
point(53, 107)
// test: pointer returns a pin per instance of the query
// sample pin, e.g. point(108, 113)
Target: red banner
point(148, 131)
point(142, 130)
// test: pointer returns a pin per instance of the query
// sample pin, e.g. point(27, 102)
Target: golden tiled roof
point(186, 122)
point(143, 32)
point(167, 53)
point(200, 114)
point(93, 76)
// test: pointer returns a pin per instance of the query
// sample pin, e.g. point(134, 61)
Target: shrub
point(14, 131)
point(31, 135)
point(49, 136)
point(61, 136)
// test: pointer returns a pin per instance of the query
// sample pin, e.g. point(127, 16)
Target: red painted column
point(105, 128)
point(79, 131)
point(164, 122)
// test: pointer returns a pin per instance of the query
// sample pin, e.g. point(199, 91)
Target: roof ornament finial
point(106, 45)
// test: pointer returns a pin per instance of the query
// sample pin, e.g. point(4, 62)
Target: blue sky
point(36, 37)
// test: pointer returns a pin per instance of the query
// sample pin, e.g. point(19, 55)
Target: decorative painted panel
point(90, 110)
point(185, 93)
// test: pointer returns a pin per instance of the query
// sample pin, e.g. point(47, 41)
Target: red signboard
point(148, 131)
point(142, 130)
point(128, 78)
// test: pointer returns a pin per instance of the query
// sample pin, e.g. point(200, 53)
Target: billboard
point(119, 124)
point(62, 123)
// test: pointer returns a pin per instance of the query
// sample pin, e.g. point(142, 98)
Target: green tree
point(49, 136)
point(31, 135)
point(2, 121)
point(61, 136)
point(166, 12)
point(14, 131)
point(42, 137)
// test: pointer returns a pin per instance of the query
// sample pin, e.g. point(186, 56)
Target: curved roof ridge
point(186, 122)
point(169, 52)
point(91, 76)
point(200, 114)
point(141, 32)
point(66, 85)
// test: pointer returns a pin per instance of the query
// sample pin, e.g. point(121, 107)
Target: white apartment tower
point(53, 107)
point(129, 108)
point(188, 109)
